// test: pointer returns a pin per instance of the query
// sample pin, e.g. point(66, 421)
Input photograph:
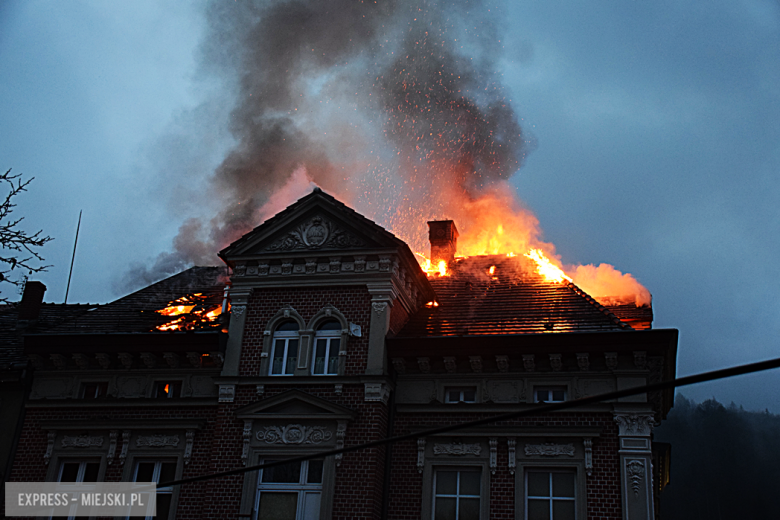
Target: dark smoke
point(380, 103)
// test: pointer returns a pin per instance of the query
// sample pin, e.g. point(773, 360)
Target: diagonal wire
point(553, 407)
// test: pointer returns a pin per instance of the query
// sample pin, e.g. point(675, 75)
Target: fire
point(492, 270)
point(193, 312)
point(427, 266)
point(546, 268)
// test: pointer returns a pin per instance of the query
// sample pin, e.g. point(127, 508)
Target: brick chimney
point(443, 236)
point(32, 299)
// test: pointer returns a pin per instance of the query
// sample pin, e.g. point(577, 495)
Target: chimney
point(444, 240)
point(32, 299)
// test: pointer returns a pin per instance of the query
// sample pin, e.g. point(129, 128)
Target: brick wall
point(603, 487)
point(353, 302)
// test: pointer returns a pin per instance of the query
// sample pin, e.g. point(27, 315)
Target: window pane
point(469, 483)
point(469, 509)
point(315, 472)
point(445, 509)
point(446, 482)
point(278, 356)
point(91, 472)
point(163, 506)
point(311, 506)
point(330, 325)
point(558, 395)
point(167, 472)
point(278, 506)
point(292, 356)
point(319, 356)
point(288, 473)
point(563, 510)
point(469, 395)
point(541, 396)
point(538, 484)
point(145, 472)
point(70, 472)
point(538, 510)
point(288, 326)
point(563, 484)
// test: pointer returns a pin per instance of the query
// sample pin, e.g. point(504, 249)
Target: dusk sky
point(653, 130)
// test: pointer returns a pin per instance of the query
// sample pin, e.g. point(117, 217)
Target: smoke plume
point(395, 107)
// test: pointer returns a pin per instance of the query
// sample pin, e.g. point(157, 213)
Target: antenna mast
point(67, 290)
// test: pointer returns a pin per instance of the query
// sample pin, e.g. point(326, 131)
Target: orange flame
point(427, 266)
point(193, 312)
point(544, 267)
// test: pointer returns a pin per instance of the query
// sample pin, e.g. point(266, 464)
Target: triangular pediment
point(317, 223)
point(294, 404)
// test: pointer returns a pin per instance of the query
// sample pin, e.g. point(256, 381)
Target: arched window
point(327, 341)
point(284, 357)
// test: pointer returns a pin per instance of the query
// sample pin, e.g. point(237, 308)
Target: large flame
point(193, 312)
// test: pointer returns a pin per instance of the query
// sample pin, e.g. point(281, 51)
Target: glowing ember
point(492, 270)
point(545, 268)
point(432, 304)
point(193, 312)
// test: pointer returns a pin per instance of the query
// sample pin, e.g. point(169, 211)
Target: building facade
point(323, 332)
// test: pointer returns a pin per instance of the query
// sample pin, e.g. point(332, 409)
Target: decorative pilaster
point(50, 437)
point(239, 298)
point(382, 297)
point(420, 454)
point(511, 443)
point(125, 445)
point(341, 433)
point(112, 438)
point(634, 430)
point(493, 442)
point(190, 438)
point(247, 436)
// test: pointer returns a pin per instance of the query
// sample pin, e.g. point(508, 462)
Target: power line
point(552, 407)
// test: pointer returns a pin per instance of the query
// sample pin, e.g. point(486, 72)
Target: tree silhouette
point(19, 256)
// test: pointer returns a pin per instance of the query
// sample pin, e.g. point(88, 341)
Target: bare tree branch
point(19, 256)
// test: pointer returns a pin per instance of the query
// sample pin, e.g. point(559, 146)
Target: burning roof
point(499, 294)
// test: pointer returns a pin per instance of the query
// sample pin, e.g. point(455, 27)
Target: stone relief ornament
point(424, 364)
point(112, 446)
point(528, 362)
point(188, 446)
point(493, 442)
point(635, 470)
point(458, 449)
point(379, 307)
point(449, 364)
point(611, 360)
point(588, 456)
point(502, 362)
point(476, 363)
point(125, 446)
point(420, 454)
point(555, 362)
point(315, 234)
point(583, 362)
point(237, 310)
point(549, 450)
point(635, 424)
point(156, 441)
point(82, 441)
point(294, 434)
point(247, 436)
point(49, 446)
point(511, 443)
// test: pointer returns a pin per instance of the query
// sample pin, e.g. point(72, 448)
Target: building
point(331, 335)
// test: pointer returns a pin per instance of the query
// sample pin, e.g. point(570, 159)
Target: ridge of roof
point(590, 299)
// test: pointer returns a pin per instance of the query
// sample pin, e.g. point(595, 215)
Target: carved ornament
point(294, 434)
point(635, 470)
point(459, 449)
point(156, 441)
point(82, 441)
point(631, 424)
point(316, 233)
point(549, 450)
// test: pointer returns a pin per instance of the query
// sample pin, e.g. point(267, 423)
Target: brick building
point(331, 335)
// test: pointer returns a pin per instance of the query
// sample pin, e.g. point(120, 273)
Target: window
point(94, 390)
point(456, 494)
point(157, 471)
point(77, 471)
point(289, 492)
point(327, 341)
point(549, 495)
point(549, 394)
point(460, 394)
point(285, 349)
point(167, 389)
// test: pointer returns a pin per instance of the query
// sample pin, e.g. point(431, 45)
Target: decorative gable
point(295, 405)
point(317, 232)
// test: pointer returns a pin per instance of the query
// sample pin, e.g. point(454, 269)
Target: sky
point(653, 132)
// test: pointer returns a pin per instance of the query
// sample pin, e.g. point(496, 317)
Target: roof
point(136, 312)
point(513, 300)
point(11, 330)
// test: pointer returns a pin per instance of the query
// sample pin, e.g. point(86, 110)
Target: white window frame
point(328, 336)
point(549, 389)
point(79, 477)
point(551, 499)
point(156, 478)
point(286, 336)
point(461, 389)
point(302, 489)
point(457, 496)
